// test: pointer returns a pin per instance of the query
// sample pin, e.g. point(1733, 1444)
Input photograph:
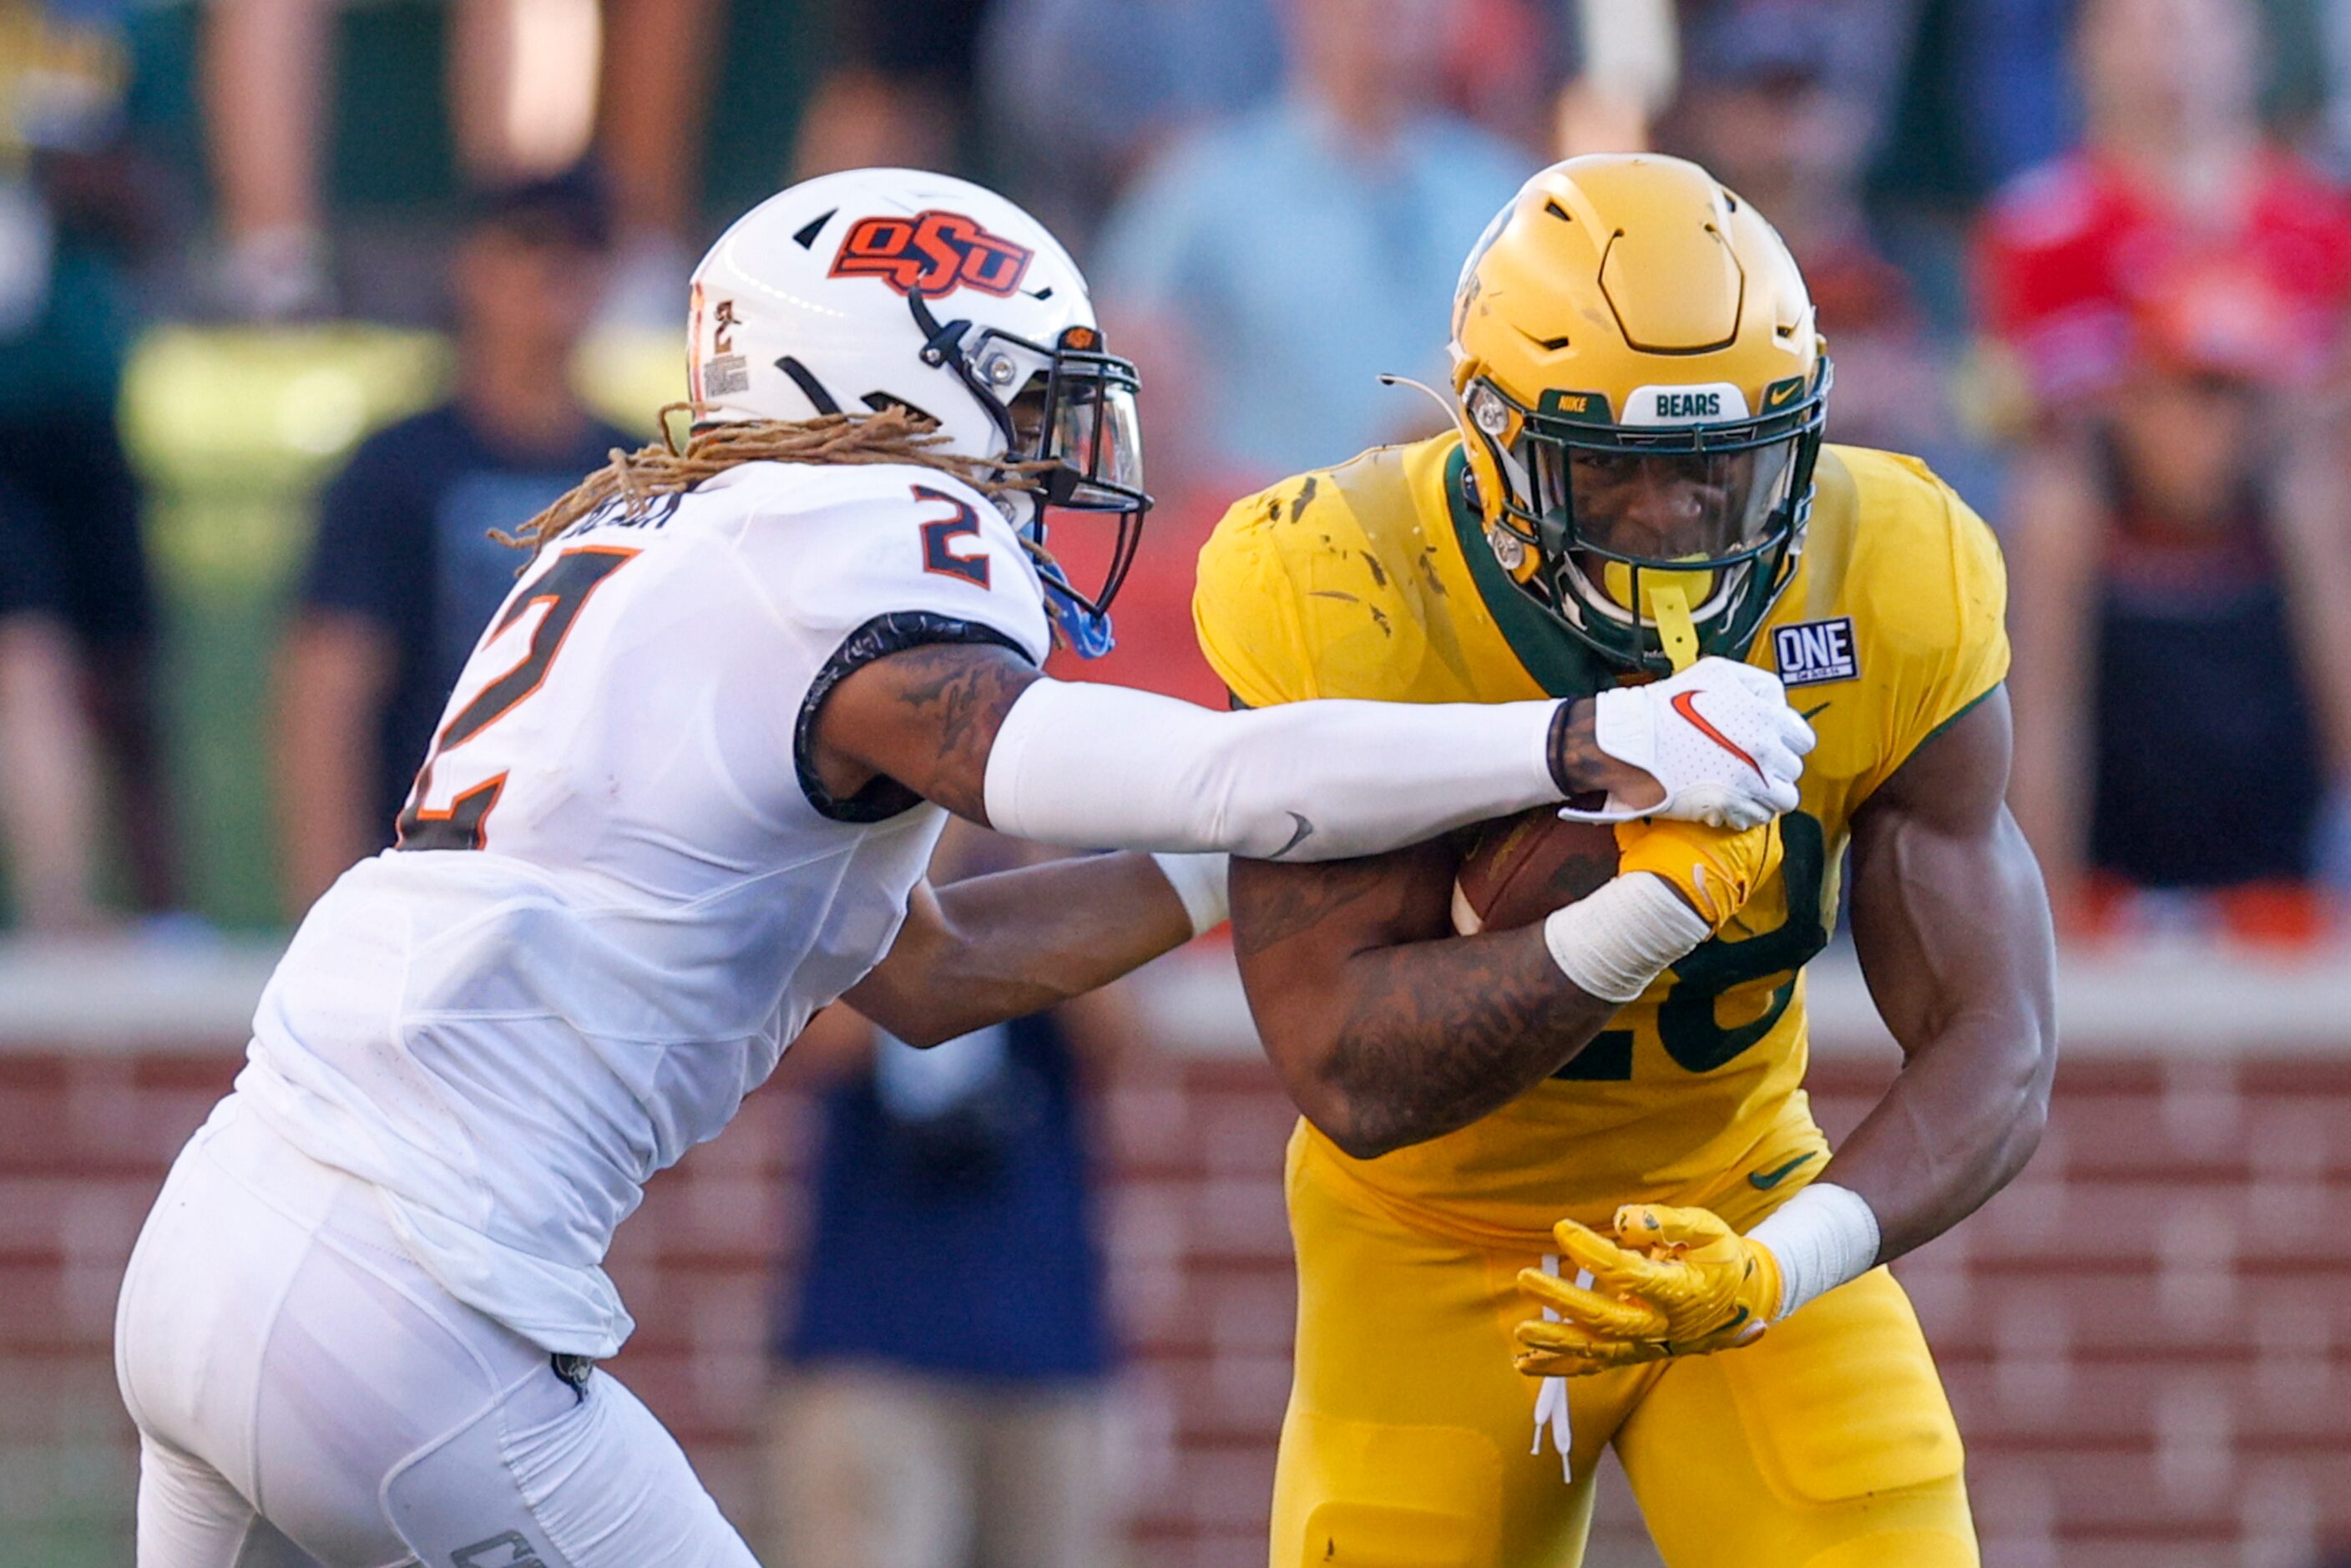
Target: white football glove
point(1719, 737)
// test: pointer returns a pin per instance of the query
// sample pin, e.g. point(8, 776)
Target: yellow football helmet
point(1641, 392)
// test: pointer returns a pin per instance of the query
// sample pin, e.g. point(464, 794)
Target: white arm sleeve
point(1098, 766)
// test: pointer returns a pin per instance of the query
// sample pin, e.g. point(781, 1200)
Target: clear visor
point(1663, 507)
point(1097, 435)
point(1081, 416)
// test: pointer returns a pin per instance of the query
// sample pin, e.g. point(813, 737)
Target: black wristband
point(1555, 753)
point(1555, 746)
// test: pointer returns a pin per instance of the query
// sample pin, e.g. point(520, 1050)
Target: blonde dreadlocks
point(636, 479)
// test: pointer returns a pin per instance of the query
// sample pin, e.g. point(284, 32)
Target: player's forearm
point(1952, 927)
point(1387, 1033)
point(975, 729)
point(1411, 1042)
point(1002, 947)
point(1084, 765)
point(1959, 1124)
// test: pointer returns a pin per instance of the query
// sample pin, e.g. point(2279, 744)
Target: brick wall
point(2148, 1338)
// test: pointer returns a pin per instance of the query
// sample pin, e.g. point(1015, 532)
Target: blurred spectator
point(524, 96)
point(1508, 61)
point(2174, 166)
point(1770, 106)
point(898, 93)
point(949, 1346)
point(404, 575)
point(2181, 508)
point(78, 205)
point(1079, 92)
point(1971, 92)
point(48, 779)
point(2180, 583)
point(661, 61)
point(1628, 59)
point(1268, 270)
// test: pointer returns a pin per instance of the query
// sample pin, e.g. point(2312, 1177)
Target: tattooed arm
point(925, 717)
point(1001, 947)
point(1387, 1029)
point(976, 729)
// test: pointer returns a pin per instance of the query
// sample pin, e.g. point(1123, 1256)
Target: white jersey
point(618, 895)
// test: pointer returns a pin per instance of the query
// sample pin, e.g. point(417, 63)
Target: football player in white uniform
point(681, 798)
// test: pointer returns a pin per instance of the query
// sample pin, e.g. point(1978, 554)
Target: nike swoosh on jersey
point(1764, 1181)
point(1811, 713)
point(1685, 705)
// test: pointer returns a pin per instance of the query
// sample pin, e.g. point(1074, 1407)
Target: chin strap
point(1676, 630)
point(1084, 632)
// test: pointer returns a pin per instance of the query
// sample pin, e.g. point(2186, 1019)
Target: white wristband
point(1199, 882)
point(1612, 944)
point(1823, 1237)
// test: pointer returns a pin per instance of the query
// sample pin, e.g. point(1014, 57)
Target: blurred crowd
point(2091, 259)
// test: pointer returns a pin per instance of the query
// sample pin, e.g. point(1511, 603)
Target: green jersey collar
point(1559, 663)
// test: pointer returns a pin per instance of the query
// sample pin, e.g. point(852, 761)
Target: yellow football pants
point(1827, 1444)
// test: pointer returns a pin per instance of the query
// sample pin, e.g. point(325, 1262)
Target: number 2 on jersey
point(938, 540)
point(563, 588)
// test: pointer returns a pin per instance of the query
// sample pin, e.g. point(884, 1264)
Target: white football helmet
point(856, 291)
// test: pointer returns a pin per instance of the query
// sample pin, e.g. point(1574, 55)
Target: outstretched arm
point(1002, 947)
point(976, 729)
point(1952, 927)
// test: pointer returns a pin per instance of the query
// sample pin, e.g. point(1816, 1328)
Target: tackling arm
point(998, 947)
point(978, 729)
point(1953, 930)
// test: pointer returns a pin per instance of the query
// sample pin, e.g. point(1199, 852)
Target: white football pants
point(304, 1391)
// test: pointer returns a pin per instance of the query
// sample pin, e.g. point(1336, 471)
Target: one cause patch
point(1810, 652)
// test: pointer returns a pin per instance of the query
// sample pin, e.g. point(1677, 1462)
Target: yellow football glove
point(1674, 1281)
point(1715, 869)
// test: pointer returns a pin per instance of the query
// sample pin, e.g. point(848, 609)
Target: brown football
point(1519, 869)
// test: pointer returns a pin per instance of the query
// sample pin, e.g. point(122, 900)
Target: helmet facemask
point(1602, 516)
point(1066, 413)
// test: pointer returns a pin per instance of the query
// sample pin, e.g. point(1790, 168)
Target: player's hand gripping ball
point(1519, 869)
point(1716, 870)
point(1672, 1281)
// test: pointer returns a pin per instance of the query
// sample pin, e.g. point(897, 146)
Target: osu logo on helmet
point(933, 254)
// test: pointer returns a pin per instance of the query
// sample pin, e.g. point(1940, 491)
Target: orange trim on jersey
point(441, 741)
point(415, 815)
point(495, 786)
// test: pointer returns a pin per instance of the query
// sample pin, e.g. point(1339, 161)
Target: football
point(1519, 869)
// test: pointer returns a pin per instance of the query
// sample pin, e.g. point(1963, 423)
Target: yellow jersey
point(1374, 580)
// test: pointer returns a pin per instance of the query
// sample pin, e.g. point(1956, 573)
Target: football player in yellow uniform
point(1582, 1145)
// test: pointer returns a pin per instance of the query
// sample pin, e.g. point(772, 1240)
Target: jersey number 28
point(563, 588)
